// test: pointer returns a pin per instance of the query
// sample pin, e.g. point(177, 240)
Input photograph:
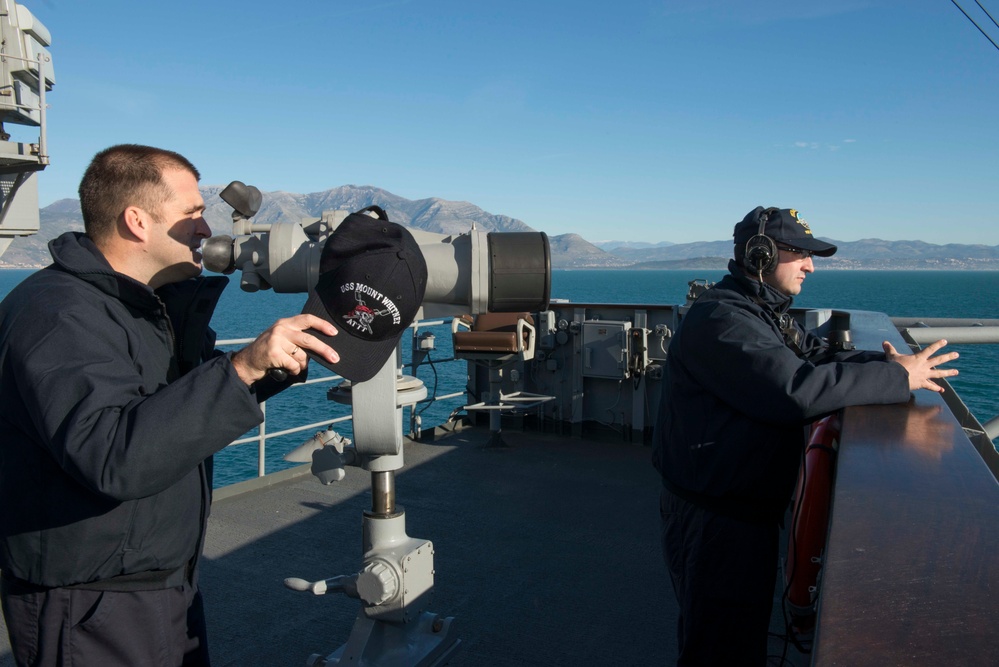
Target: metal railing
point(919, 331)
point(914, 330)
point(263, 435)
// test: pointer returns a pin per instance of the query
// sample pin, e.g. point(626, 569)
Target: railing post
point(262, 443)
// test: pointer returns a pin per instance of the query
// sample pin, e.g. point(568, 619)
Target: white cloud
point(815, 145)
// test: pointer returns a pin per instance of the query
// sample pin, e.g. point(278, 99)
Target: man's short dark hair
point(122, 176)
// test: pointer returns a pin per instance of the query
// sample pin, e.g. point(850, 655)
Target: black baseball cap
point(372, 278)
point(784, 225)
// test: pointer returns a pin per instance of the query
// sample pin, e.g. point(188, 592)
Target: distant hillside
point(433, 215)
point(675, 252)
point(568, 250)
point(677, 264)
point(54, 219)
point(573, 251)
point(614, 245)
point(864, 254)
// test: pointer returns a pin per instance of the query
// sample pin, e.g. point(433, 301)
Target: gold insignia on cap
point(794, 214)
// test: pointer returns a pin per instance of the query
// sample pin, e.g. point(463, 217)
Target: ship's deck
point(546, 553)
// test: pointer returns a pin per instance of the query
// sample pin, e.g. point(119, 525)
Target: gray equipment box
point(605, 349)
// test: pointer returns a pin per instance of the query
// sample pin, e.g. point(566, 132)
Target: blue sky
point(658, 120)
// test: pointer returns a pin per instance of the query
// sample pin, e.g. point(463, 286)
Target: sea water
point(966, 294)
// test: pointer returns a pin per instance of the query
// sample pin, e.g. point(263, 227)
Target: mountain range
point(568, 250)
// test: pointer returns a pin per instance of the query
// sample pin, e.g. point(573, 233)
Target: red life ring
point(810, 520)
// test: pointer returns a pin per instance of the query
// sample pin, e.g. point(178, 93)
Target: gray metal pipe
point(383, 492)
point(992, 428)
point(954, 335)
point(905, 322)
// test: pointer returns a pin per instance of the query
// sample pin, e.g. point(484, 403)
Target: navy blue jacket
point(736, 399)
point(112, 398)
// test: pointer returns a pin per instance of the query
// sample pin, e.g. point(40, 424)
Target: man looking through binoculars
point(112, 388)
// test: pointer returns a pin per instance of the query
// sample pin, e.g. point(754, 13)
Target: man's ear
point(136, 223)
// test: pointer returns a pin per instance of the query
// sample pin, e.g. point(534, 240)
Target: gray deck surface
point(546, 553)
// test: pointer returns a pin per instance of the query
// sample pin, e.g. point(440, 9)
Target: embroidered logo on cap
point(362, 316)
point(794, 214)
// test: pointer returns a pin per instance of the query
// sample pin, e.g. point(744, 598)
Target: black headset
point(761, 255)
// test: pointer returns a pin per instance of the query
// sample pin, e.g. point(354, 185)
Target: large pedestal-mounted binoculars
point(472, 272)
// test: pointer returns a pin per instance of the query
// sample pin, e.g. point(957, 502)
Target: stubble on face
point(181, 227)
point(790, 273)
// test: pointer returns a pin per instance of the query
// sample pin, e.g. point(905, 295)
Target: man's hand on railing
point(922, 366)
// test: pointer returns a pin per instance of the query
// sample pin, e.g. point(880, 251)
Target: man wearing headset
point(742, 380)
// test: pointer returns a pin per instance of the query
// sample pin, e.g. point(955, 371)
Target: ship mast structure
point(26, 75)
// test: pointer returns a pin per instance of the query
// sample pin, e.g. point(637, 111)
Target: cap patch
point(794, 214)
point(362, 316)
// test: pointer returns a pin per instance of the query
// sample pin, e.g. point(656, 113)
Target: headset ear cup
point(761, 251)
point(761, 255)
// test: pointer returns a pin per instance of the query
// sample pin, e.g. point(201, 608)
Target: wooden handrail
point(911, 571)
